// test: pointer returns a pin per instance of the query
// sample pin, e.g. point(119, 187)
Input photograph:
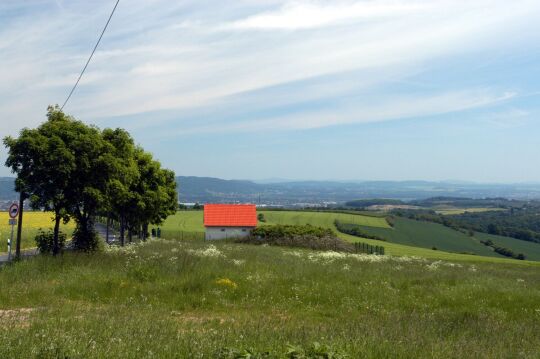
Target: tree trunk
point(145, 231)
point(122, 231)
point(56, 246)
point(130, 234)
point(107, 230)
point(19, 227)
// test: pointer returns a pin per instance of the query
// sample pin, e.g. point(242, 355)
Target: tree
point(122, 178)
point(154, 195)
point(64, 166)
point(43, 164)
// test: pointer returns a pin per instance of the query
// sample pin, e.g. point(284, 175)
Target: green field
point(192, 221)
point(33, 222)
point(178, 299)
point(530, 249)
point(453, 211)
point(429, 235)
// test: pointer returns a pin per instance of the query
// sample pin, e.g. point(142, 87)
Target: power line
point(91, 55)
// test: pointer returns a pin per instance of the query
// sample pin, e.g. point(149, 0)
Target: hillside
point(170, 299)
point(300, 193)
point(451, 244)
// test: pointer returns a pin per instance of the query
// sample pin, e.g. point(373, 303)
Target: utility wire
point(91, 55)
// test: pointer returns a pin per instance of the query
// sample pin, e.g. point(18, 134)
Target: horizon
point(380, 90)
point(269, 181)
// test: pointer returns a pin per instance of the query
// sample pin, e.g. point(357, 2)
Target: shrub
point(45, 240)
point(85, 239)
point(303, 236)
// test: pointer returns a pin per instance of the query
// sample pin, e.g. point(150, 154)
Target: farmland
point(33, 222)
point(192, 221)
point(194, 299)
point(452, 210)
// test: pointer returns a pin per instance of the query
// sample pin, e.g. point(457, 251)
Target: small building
point(223, 221)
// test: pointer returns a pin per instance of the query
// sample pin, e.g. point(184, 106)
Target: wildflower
point(210, 251)
point(226, 282)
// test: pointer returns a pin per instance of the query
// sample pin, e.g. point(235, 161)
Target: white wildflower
point(434, 265)
point(210, 251)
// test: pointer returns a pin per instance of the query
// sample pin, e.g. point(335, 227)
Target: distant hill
point(7, 189)
point(304, 193)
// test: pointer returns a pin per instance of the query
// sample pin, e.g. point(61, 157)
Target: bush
point(302, 236)
point(85, 239)
point(45, 241)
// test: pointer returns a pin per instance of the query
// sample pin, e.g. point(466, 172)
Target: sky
point(319, 90)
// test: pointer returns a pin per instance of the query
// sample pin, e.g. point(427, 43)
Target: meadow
point(452, 210)
point(190, 222)
point(175, 299)
point(32, 223)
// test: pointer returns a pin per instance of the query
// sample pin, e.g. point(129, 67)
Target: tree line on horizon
point(78, 172)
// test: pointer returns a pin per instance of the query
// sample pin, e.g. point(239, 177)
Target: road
point(24, 253)
point(100, 229)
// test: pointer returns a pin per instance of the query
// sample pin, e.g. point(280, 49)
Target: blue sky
point(347, 90)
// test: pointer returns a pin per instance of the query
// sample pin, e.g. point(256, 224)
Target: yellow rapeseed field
point(33, 222)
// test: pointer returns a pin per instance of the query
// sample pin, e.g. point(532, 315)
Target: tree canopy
point(78, 171)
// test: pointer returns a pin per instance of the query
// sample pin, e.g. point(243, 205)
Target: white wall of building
point(213, 233)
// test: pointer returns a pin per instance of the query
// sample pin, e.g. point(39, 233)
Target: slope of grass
point(453, 211)
point(429, 235)
point(530, 249)
point(32, 223)
point(322, 219)
point(192, 221)
point(193, 299)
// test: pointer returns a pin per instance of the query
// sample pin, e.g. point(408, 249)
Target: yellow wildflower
point(226, 282)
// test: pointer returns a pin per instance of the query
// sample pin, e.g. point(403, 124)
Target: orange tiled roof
point(230, 215)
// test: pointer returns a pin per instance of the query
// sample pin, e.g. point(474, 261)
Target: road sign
point(12, 221)
point(14, 210)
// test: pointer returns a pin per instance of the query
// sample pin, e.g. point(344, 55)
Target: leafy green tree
point(43, 164)
point(154, 195)
point(64, 165)
point(122, 179)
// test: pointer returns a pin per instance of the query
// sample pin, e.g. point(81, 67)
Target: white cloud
point(305, 15)
point(163, 55)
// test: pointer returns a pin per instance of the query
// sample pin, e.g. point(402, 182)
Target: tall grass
point(172, 299)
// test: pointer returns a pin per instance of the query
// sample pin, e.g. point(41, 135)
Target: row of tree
point(79, 172)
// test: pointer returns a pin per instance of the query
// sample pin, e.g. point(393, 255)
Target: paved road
point(100, 229)
point(24, 253)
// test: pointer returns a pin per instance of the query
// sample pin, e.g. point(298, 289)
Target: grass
point(192, 221)
point(429, 235)
point(32, 223)
point(530, 249)
point(453, 211)
point(172, 299)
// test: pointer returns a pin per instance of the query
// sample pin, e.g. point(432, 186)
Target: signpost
point(13, 213)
